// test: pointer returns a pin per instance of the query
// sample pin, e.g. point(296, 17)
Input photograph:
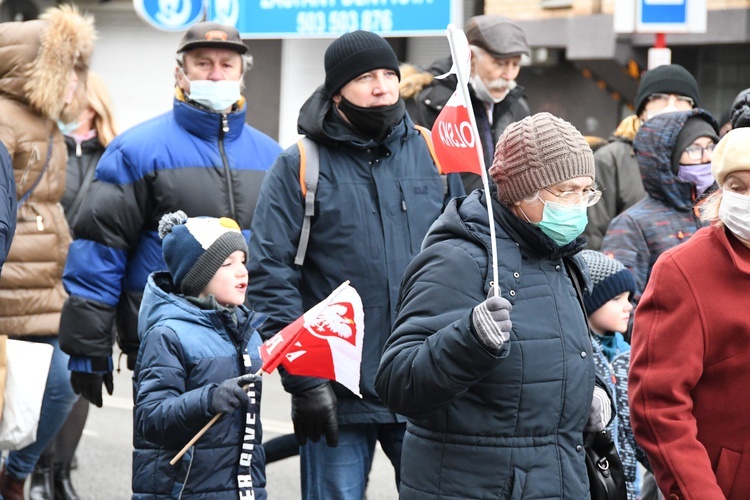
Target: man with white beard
point(497, 44)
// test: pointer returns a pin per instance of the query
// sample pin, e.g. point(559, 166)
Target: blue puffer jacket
point(190, 159)
point(374, 204)
point(185, 352)
point(666, 216)
point(480, 425)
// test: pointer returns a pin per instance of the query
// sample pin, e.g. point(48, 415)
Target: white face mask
point(215, 95)
point(734, 212)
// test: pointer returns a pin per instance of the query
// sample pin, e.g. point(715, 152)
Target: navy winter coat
point(374, 204)
point(482, 425)
point(185, 352)
point(8, 203)
point(190, 159)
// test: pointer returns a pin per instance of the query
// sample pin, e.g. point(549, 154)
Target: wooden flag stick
point(203, 430)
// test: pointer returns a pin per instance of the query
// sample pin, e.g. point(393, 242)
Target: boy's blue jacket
point(185, 352)
point(189, 159)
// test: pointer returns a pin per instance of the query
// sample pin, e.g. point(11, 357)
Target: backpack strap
point(427, 136)
point(309, 169)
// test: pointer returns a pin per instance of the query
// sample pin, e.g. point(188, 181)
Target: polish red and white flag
point(324, 342)
point(454, 133)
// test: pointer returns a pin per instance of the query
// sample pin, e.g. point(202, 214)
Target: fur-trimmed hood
point(36, 58)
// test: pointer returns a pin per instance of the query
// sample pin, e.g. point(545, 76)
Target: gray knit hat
point(195, 248)
point(536, 152)
point(609, 278)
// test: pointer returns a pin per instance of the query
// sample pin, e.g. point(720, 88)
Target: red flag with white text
point(453, 138)
point(454, 133)
point(324, 342)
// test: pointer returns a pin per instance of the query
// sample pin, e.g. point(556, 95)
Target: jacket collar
point(208, 124)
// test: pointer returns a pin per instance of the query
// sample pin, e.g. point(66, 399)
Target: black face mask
point(376, 122)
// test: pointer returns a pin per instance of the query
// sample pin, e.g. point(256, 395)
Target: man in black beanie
point(664, 89)
point(378, 191)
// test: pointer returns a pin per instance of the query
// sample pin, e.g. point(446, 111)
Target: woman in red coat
point(690, 368)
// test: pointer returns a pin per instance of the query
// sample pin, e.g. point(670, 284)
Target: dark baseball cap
point(213, 36)
point(498, 35)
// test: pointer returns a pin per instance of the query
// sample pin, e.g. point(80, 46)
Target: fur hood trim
point(42, 53)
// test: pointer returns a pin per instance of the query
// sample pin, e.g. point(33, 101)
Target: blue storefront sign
point(170, 15)
point(331, 18)
point(663, 11)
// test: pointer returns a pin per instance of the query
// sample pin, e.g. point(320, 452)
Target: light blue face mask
point(563, 223)
point(68, 128)
point(215, 95)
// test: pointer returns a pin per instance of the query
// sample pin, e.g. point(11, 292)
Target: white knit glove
point(601, 411)
point(491, 322)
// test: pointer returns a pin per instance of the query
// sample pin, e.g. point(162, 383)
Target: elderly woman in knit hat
point(674, 153)
point(498, 390)
point(690, 363)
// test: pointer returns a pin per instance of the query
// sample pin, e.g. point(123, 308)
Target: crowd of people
point(492, 346)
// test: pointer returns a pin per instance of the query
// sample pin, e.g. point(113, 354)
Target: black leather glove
point(314, 414)
point(491, 321)
point(89, 385)
point(230, 394)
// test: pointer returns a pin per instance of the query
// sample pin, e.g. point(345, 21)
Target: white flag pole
point(461, 55)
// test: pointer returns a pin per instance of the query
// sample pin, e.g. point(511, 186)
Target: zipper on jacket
point(79, 152)
point(227, 170)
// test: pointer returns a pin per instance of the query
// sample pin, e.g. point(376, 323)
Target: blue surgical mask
point(68, 128)
point(700, 175)
point(215, 95)
point(563, 223)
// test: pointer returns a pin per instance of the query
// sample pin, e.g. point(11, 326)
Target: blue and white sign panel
point(170, 15)
point(331, 18)
point(670, 16)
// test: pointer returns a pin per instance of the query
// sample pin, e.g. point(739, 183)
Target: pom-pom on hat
point(537, 152)
point(732, 153)
point(194, 248)
point(609, 278)
point(666, 79)
point(355, 53)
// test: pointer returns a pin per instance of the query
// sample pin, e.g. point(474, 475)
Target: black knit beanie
point(694, 128)
point(609, 279)
point(355, 53)
point(667, 79)
point(740, 112)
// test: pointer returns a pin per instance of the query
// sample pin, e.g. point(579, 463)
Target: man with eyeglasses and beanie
point(200, 157)
point(499, 387)
point(674, 151)
point(378, 193)
point(663, 89)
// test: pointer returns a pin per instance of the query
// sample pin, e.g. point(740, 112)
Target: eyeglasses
point(695, 152)
point(664, 99)
point(588, 197)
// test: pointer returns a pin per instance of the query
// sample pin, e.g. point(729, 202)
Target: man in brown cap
point(497, 44)
point(498, 386)
point(200, 157)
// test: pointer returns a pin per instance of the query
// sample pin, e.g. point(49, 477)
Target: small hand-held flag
point(455, 135)
point(324, 342)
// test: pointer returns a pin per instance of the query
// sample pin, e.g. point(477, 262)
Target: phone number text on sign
point(342, 21)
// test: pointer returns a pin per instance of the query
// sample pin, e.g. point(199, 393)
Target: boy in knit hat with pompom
point(609, 309)
point(197, 357)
